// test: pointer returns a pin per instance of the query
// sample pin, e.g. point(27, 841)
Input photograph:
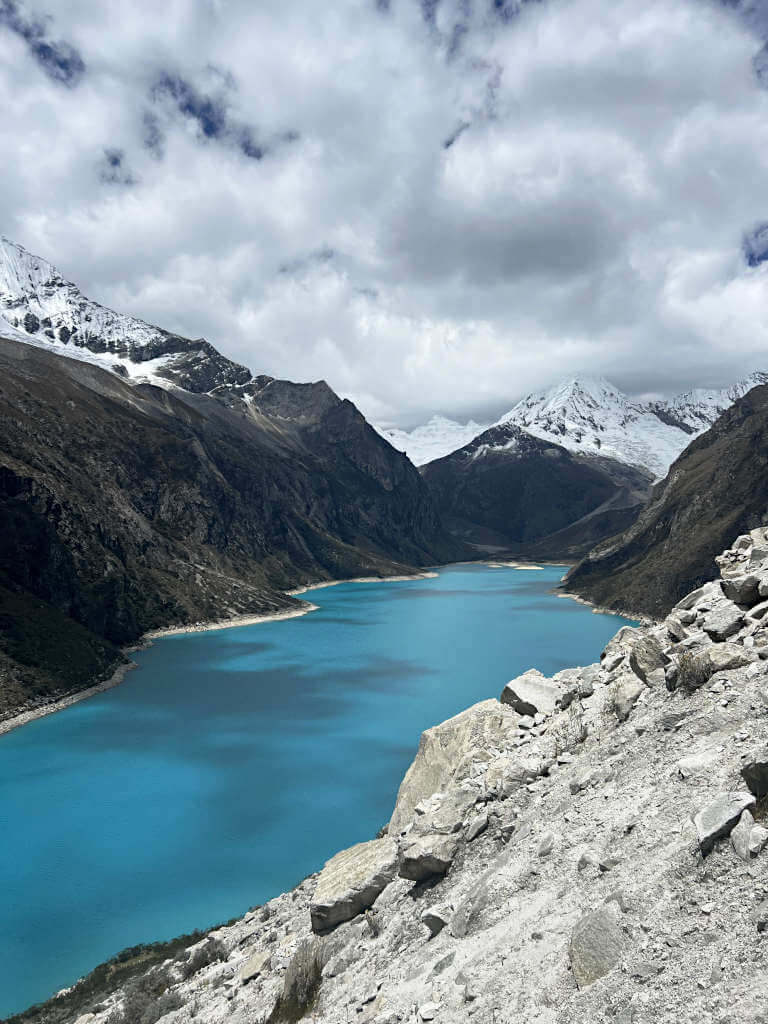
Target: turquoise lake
point(232, 763)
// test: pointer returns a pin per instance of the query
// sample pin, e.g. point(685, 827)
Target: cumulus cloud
point(436, 205)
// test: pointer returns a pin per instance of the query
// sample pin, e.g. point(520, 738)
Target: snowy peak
point(39, 306)
point(439, 437)
point(697, 410)
point(590, 415)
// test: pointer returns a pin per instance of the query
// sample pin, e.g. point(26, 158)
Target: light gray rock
point(626, 694)
point(547, 844)
point(428, 1011)
point(443, 813)
point(758, 839)
point(708, 592)
point(597, 944)
point(506, 774)
point(740, 835)
point(254, 966)
point(758, 612)
point(531, 692)
point(351, 881)
point(449, 753)
point(719, 817)
point(755, 773)
point(723, 621)
point(743, 590)
point(476, 826)
point(646, 656)
point(425, 856)
point(697, 764)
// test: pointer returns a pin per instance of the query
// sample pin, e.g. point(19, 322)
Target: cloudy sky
point(436, 205)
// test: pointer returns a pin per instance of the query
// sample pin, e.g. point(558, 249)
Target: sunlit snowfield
point(233, 763)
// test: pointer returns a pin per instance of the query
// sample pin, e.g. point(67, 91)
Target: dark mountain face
point(508, 489)
point(716, 490)
point(128, 507)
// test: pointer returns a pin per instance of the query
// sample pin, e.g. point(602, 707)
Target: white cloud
point(589, 215)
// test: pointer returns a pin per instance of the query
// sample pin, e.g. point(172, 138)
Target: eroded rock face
point(448, 752)
point(755, 773)
point(351, 881)
point(425, 856)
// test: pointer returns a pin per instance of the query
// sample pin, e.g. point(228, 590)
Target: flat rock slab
point(646, 656)
point(531, 693)
point(351, 881)
point(254, 966)
point(719, 817)
point(597, 944)
point(723, 621)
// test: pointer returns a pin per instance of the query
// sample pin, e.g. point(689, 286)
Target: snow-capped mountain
point(439, 437)
point(589, 415)
point(40, 307)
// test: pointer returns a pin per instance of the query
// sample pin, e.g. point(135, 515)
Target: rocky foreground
point(592, 847)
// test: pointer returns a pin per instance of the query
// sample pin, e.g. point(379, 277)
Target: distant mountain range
point(588, 415)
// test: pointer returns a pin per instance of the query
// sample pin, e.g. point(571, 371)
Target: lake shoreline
point(62, 703)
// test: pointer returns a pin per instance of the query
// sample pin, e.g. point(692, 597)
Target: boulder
point(646, 656)
point(597, 944)
point(695, 668)
point(426, 856)
point(449, 753)
point(742, 590)
point(748, 839)
point(531, 693)
point(723, 621)
point(351, 881)
point(707, 593)
point(755, 773)
point(254, 966)
point(476, 826)
point(436, 918)
point(719, 817)
point(697, 764)
point(626, 694)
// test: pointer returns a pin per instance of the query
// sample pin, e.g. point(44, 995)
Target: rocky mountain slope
point(511, 490)
point(716, 488)
point(592, 847)
point(125, 507)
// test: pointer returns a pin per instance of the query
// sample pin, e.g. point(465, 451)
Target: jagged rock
point(436, 918)
point(755, 774)
point(742, 590)
point(447, 753)
point(443, 813)
point(626, 694)
point(757, 612)
point(723, 621)
point(426, 856)
point(254, 966)
point(351, 881)
point(302, 981)
point(719, 817)
point(428, 1011)
point(597, 944)
point(530, 693)
point(697, 597)
point(747, 838)
point(476, 826)
point(509, 773)
point(646, 656)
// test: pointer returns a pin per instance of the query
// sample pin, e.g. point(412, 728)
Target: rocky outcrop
point(604, 859)
point(512, 490)
point(716, 489)
point(350, 882)
point(128, 507)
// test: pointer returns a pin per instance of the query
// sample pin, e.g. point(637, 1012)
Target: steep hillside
point(512, 490)
point(126, 506)
point(718, 487)
point(590, 847)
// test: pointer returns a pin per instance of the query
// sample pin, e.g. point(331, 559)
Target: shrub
point(692, 670)
point(210, 952)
